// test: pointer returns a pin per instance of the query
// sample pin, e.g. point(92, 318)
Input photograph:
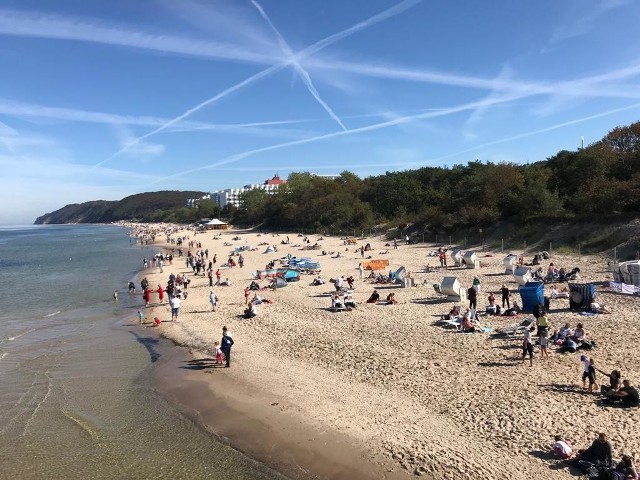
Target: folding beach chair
point(511, 332)
point(455, 323)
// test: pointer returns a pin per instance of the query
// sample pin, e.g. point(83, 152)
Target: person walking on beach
point(210, 276)
point(225, 345)
point(241, 261)
point(218, 276)
point(140, 317)
point(147, 296)
point(361, 270)
point(527, 346)
point(213, 300)
point(175, 308)
point(160, 294)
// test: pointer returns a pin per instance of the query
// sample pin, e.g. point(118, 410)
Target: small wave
point(3, 355)
point(86, 426)
point(52, 314)
point(11, 339)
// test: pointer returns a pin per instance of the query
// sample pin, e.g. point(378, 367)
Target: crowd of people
point(614, 391)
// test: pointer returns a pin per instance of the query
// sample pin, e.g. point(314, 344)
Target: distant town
point(231, 196)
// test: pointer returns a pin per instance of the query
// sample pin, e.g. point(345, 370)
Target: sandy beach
point(383, 391)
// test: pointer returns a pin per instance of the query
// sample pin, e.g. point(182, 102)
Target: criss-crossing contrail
point(471, 106)
point(311, 50)
point(367, 128)
point(304, 75)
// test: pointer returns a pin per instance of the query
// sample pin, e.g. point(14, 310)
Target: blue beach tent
point(531, 293)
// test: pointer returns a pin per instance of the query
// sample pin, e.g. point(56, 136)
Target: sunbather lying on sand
point(597, 308)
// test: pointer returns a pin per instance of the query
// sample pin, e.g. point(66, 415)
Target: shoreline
point(408, 396)
point(244, 419)
point(247, 419)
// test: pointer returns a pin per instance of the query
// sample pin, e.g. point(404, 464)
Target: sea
point(76, 396)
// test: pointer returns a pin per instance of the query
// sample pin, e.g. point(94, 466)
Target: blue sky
point(99, 100)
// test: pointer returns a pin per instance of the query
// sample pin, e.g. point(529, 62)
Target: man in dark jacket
point(599, 451)
point(472, 295)
point(225, 345)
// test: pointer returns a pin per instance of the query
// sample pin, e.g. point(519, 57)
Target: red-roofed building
point(276, 180)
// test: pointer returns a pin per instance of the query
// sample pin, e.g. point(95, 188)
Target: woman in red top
point(160, 294)
point(147, 296)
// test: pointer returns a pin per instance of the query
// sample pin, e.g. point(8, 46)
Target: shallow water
point(75, 396)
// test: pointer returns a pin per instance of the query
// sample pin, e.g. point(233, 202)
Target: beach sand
point(382, 391)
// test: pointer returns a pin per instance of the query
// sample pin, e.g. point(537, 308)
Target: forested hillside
point(143, 207)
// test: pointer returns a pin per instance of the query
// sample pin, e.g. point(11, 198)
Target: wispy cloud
point(472, 106)
point(304, 75)
point(468, 130)
point(7, 130)
point(537, 132)
point(29, 110)
point(592, 85)
point(143, 151)
point(311, 50)
point(39, 25)
point(584, 19)
point(365, 129)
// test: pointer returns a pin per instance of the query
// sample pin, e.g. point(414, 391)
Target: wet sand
point(253, 421)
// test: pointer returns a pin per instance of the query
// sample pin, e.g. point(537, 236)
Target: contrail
point(311, 50)
point(539, 131)
point(368, 128)
point(241, 156)
point(304, 75)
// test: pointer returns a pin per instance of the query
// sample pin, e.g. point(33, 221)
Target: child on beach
point(218, 352)
point(544, 344)
point(140, 317)
point(562, 448)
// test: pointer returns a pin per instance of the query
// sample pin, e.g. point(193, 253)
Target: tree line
point(601, 181)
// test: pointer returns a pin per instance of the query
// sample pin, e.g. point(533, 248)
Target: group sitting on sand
point(597, 460)
point(342, 301)
point(375, 298)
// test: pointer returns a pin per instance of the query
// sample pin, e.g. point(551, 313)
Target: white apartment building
point(231, 196)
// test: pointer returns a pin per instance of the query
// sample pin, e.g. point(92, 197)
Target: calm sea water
point(75, 399)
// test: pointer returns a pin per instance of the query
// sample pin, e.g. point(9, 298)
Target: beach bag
point(586, 345)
